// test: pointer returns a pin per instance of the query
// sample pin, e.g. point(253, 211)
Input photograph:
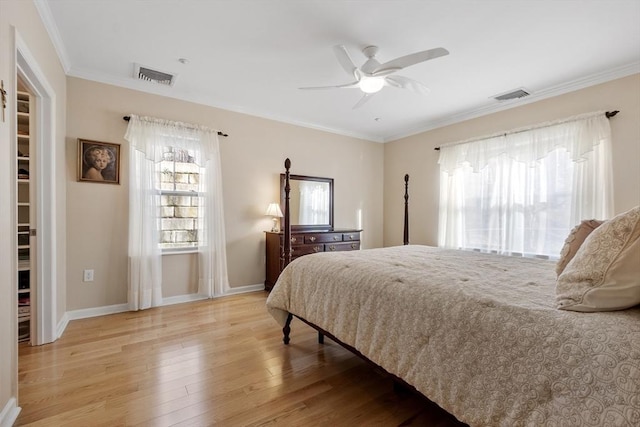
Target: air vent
point(518, 93)
point(154, 76)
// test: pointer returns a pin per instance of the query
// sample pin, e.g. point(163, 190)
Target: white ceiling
point(251, 56)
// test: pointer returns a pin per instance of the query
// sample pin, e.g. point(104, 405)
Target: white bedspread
point(478, 334)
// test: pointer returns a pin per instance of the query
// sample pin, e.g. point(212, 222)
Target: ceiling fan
point(372, 76)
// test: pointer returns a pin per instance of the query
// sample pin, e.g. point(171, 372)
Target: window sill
point(179, 251)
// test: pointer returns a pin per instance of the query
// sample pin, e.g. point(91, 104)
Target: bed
point(478, 334)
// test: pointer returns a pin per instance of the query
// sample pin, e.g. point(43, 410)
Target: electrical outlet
point(88, 276)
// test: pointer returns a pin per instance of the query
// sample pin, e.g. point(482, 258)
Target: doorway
point(44, 270)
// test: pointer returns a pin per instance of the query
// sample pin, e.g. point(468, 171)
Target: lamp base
point(275, 228)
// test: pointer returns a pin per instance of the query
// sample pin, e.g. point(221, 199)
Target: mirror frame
point(305, 227)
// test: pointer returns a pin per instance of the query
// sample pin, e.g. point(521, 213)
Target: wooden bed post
point(406, 209)
point(287, 219)
point(287, 241)
point(287, 329)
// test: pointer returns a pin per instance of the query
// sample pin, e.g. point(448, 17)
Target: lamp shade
point(274, 210)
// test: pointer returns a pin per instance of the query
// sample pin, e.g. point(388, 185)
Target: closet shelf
point(24, 215)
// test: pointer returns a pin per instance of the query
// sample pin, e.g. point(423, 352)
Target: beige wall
point(21, 18)
point(415, 154)
point(252, 159)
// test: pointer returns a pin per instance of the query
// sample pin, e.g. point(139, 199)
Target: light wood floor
point(210, 362)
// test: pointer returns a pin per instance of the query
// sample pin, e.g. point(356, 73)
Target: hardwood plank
point(217, 361)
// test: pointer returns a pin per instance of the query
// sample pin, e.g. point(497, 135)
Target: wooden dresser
point(305, 243)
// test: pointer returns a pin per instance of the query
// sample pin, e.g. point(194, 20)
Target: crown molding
point(450, 119)
point(492, 106)
point(483, 110)
point(50, 24)
point(146, 87)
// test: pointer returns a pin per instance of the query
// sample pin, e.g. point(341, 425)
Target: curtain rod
point(608, 114)
point(127, 118)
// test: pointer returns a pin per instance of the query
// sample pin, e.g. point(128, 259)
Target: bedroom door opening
point(42, 224)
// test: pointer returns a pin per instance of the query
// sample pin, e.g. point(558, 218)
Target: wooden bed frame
point(551, 392)
point(399, 383)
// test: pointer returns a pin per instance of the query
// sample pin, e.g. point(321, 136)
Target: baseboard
point(179, 299)
point(62, 325)
point(85, 313)
point(245, 289)
point(9, 413)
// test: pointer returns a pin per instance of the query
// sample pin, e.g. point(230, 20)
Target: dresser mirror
point(310, 202)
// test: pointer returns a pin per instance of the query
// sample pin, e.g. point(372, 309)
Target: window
point(178, 178)
point(521, 193)
point(175, 202)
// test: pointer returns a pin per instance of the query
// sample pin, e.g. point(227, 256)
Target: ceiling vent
point(515, 94)
point(154, 76)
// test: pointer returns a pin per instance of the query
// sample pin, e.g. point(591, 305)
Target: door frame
point(44, 329)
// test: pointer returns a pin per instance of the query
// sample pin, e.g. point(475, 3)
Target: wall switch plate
point(87, 276)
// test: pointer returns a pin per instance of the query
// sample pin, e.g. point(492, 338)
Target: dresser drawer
point(350, 237)
point(299, 250)
point(344, 246)
point(322, 237)
point(295, 240)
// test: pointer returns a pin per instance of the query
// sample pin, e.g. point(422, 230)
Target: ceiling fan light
point(371, 84)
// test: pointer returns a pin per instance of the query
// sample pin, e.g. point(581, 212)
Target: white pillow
point(573, 242)
point(604, 274)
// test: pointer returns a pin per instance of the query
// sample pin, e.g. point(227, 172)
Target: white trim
point(85, 313)
point(62, 325)
point(245, 289)
point(9, 413)
point(130, 83)
point(10, 353)
point(46, 220)
point(581, 83)
point(449, 119)
point(52, 29)
point(179, 299)
point(180, 251)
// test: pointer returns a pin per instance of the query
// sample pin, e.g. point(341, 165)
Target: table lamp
point(274, 211)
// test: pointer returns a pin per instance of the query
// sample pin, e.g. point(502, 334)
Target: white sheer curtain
point(145, 256)
point(147, 137)
point(521, 192)
point(212, 258)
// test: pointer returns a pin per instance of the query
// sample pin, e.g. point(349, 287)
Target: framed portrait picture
point(98, 162)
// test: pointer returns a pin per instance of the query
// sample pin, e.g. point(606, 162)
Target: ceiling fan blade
point(408, 60)
point(364, 99)
point(344, 86)
point(345, 60)
point(407, 83)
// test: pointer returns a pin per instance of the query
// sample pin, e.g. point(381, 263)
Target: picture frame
point(98, 162)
